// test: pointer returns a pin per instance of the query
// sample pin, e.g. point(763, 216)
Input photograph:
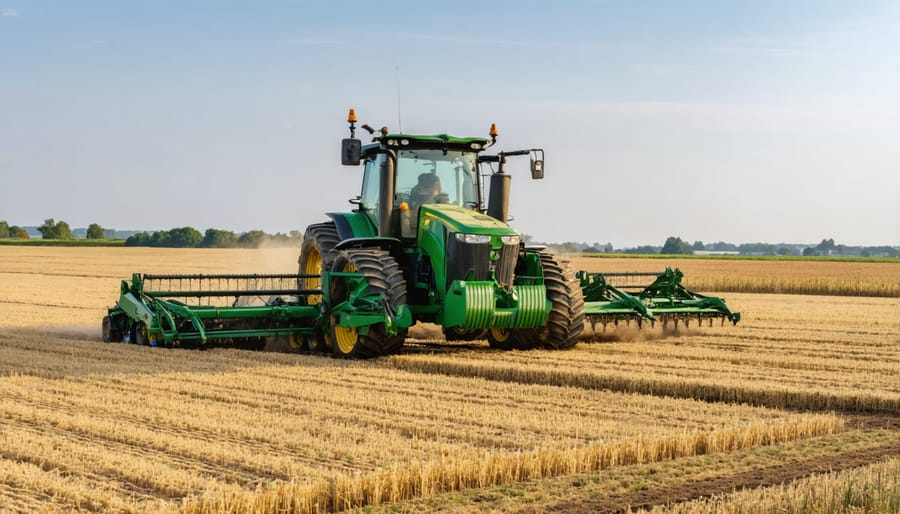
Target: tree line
point(182, 237)
point(677, 246)
point(189, 237)
point(50, 229)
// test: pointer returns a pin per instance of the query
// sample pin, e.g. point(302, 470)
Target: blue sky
point(736, 121)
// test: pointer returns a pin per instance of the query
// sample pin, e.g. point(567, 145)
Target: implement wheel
point(463, 334)
point(384, 278)
point(566, 319)
point(139, 334)
point(111, 332)
point(511, 339)
point(316, 255)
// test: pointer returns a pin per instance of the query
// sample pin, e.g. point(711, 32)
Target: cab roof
point(437, 141)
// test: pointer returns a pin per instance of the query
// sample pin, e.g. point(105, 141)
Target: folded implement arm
point(665, 300)
point(169, 310)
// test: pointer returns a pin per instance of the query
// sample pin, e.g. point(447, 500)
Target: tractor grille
point(465, 257)
point(509, 254)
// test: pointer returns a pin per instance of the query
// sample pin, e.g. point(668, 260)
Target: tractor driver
point(428, 190)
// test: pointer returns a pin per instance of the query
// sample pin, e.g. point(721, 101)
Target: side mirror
point(537, 168)
point(351, 152)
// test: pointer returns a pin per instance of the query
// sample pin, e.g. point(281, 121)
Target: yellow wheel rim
point(313, 267)
point(346, 337)
point(296, 341)
point(501, 335)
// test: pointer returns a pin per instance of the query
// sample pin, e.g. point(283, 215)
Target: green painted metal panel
point(477, 304)
point(359, 224)
point(463, 220)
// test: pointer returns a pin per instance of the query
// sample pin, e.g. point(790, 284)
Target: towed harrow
point(247, 310)
point(665, 301)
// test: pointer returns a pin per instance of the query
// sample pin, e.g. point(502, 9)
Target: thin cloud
point(310, 41)
point(9, 12)
point(767, 47)
point(475, 40)
point(450, 39)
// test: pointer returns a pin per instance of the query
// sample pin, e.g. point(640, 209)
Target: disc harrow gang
point(665, 301)
point(192, 309)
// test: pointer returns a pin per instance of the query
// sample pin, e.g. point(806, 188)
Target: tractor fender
point(382, 243)
point(352, 225)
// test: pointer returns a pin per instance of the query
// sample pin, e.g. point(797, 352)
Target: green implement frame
point(170, 310)
point(192, 310)
point(665, 300)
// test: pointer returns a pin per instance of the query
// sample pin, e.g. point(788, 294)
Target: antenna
point(399, 117)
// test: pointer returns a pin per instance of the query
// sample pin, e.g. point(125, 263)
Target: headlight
point(510, 240)
point(473, 238)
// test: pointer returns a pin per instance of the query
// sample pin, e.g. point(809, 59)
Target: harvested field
point(175, 424)
point(47, 286)
point(777, 277)
point(92, 426)
point(789, 352)
point(872, 488)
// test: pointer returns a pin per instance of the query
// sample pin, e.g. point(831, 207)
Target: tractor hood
point(462, 220)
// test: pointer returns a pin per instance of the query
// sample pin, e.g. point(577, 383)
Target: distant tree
point(62, 230)
point(95, 231)
point(675, 245)
point(184, 237)
point(252, 239)
point(4, 229)
point(139, 239)
point(756, 249)
point(55, 229)
point(159, 238)
point(214, 238)
point(810, 252)
point(698, 245)
point(48, 229)
point(784, 251)
point(722, 246)
point(865, 253)
point(20, 232)
point(826, 246)
point(644, 250)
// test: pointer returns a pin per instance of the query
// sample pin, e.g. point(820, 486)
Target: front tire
point(566, 319)
point(384, 278)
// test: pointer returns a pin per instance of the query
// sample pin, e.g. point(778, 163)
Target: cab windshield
point(435, 176)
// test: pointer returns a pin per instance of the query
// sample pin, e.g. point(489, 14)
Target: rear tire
point(316, 255)
point(384, 277)
point(566, 319)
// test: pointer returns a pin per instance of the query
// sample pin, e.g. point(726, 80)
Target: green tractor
point(424, 243)
point(430, 244)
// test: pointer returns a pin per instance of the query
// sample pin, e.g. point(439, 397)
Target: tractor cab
point(428, 170)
